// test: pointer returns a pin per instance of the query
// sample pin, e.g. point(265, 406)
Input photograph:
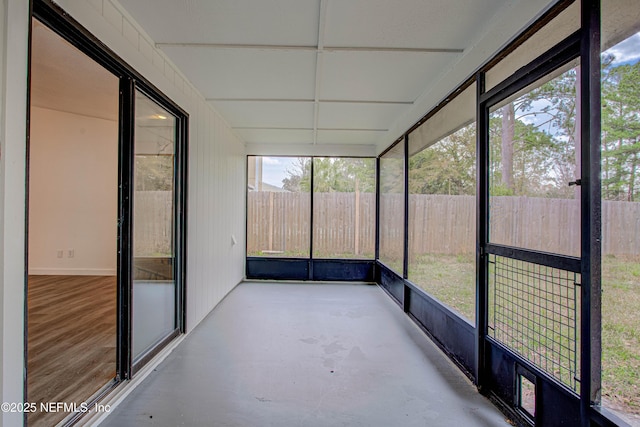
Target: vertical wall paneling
point(209, 224)
point(198, 286)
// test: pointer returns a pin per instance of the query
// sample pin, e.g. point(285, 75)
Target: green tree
point(299, 176)
point(533, 141)
point(446, 167)
point(391, 175)
point(343, 175)
point(332, 174)
point(621, 132)
point(533, 157)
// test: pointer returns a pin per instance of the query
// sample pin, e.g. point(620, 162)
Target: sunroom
point(320, 212)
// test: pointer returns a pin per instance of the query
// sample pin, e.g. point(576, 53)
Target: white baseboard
point(72, 271)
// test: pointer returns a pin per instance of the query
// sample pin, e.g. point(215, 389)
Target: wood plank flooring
point(71, 346)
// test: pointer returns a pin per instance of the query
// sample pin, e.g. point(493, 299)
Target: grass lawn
point(621, 333)
point(451, 279)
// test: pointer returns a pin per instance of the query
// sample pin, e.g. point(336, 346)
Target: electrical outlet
point(60, 253)
point(71, 253)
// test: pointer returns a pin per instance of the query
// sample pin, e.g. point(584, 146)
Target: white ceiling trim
point(319, 149)
point(270, 128)
point(354, 129)
point(322, 23)
point(238, 46)
point(303, 128)
point(361, 101)
point(318, 48)
point(333, 101)
point(257, 100)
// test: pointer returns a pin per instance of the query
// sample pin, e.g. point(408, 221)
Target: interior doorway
point(73, 226)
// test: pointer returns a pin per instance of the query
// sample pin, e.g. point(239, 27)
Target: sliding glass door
point(72, 278)
point(107, 170)
point(154, 283)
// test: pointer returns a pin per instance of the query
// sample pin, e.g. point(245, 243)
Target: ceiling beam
point(362, 101)
point(238, 46)
point(319, 48)
point(313, 129)
point(269, 128)
point(356, 129)
point(257, 100)
point(322, 22)
point(334, 101)
point(391, 49)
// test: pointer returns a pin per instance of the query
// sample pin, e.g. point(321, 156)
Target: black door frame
point(56, 19)
point(499, 366)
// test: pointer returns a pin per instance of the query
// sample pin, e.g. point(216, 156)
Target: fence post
point(356, 232)
point(271, 221)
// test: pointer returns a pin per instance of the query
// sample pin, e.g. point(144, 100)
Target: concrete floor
point(275, 354)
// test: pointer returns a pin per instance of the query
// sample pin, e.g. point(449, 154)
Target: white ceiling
point(65, 79)
point(321, 71)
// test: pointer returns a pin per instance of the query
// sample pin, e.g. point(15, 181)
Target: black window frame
point(309, 268)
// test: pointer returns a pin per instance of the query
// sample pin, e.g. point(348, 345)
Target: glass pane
point(154, 287)
point(344, 207)
point(533, 167)
point(620, 167)
point(442, 219)
point(278, 206)
point(392, 208)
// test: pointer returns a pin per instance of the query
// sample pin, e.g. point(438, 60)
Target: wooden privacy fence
point(278, 223)
point(447, 224)
point(342, 224)
point(549, 225)
point(621, 228)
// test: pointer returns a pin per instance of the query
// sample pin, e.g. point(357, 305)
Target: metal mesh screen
point(534, 310)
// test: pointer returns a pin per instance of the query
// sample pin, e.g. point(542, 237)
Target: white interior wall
point(14, 22)
point(73, 194)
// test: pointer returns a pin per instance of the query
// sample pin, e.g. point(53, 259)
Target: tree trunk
point(356, 231)
point(632, 178)
point(508, 134)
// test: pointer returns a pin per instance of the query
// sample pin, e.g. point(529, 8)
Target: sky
point(627, 51)
point(274, 169)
